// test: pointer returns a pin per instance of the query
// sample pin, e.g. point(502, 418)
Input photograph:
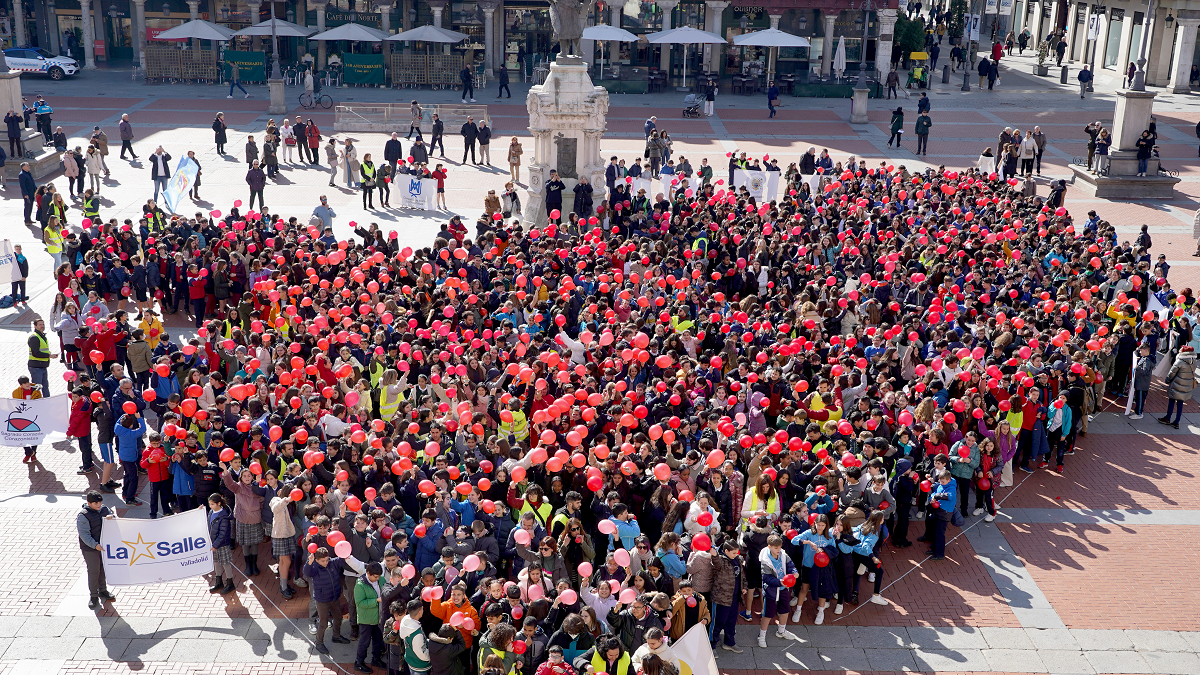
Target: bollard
point(946, 74)
point(966, 80)
point(1062, 77)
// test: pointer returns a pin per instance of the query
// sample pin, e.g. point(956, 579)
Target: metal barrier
point(388, 117)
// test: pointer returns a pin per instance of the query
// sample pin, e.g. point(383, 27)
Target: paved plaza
point(1085, 572)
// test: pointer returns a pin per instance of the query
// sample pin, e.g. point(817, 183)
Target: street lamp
point(867, 6)
point(275, 75)
point(1139, 76)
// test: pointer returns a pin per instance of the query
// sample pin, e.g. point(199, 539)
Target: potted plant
point(1043, 51)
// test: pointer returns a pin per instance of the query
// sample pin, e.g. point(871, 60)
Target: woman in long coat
point(1181, 380)
point(218, 127)
point(583, 198)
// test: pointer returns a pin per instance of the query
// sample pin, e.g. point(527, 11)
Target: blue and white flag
point(181, 183)
point(416, 193)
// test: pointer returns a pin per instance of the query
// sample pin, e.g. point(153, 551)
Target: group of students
point(559, 449)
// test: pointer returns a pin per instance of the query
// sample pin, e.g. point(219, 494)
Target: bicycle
point(310, 101)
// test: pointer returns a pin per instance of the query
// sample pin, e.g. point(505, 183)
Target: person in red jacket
point(196, 294)
point(158, 471)
point(80, 426)
point(106, 341)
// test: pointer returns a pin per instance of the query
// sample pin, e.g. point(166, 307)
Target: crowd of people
point(554, 449)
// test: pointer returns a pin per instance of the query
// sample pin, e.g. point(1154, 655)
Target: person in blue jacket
point(128, 431)
point(865, 554)
point(220, 531)
point(429, 547)
point(942, 501)
point(818, 537)
point(776, 565)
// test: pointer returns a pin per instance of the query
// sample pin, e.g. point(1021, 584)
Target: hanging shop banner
point(252, 66)
point(180, 183)
point(762, 185)
point(138, 551)
point(1006, 7)
point(362, 68)
point(416, 193)
point(991, 7)
point(31, 422)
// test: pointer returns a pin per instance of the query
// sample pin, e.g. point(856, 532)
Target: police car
point(35, 60)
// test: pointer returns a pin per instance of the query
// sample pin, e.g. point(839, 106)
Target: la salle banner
point(29, 423)
point(138, 552)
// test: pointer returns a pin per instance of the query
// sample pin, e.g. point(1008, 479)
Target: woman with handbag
point(514, 159)
point(367, 171)
point(288, 135)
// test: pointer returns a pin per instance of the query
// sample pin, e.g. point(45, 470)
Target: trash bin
point(946, 74)
point(1062, 78)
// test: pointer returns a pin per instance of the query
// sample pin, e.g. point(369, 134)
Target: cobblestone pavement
point(1071, 578)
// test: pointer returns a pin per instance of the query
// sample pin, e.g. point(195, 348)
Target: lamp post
point(1139, 76)
point(275, 79)
point(867, 7)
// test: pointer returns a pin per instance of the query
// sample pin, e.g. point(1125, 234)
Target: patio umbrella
point(685, 36)
point(606, 33)
point(351, 31)
point(839, 57)
point(282, 29)
point(198, 29)
point(772, 38)
point(429, 34)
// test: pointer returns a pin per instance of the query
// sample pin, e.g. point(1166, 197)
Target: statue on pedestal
point(567, 18)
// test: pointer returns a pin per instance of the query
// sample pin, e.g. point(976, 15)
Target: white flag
point(762, 185)
point(8, 262)
point(416, 193)
point(32, 422)
point(695, 653)
point(138, 551)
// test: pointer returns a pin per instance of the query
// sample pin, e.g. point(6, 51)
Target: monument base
point(278, 105)
point(1122, 181)
point(45, 160)
point(858, 106)
point(567, 118)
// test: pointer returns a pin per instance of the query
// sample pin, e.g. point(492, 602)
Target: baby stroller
point(691, 106)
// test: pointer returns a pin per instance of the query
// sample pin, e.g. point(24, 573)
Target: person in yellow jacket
point(391, 394)
point(515, 423)
point(152, 327)
point(52, 236)
point(26, 391)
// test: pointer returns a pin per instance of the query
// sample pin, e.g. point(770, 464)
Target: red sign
point(152, 34)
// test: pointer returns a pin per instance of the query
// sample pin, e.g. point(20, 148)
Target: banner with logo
point(252, 66)
point(180, 183)
point(33, 422)
point(362, 68)
point(991, 6)
point(416, 193)
point(8, 262)
point(1006, 7)
point(695, 652)
point(642, 184)
point(138, 552)
point(763, 185)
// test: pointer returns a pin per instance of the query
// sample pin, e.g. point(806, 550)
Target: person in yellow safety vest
point(762, 500)
point(516, 425)
point(607, 657)
point(391, 394)
point(376, 367)
point(53, 238)
point(91, 206)
point(531, 502)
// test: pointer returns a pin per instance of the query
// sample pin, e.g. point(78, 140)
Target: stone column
point(194, 12)
point(883, 47)
point(89, 39)
point(612, 50)
point(1188, 25)
point(1072, 30)
point(139, 33)
point(827, 50)
point(772, 52)
point(489, 35)
point(717, 7)
point(52, 26)
point(437, 7)
point(1123, 55)
point(385, 22)
point(664, 58)
point(19, 37)
point(319, 7)
point(255, 14)
point(1158, 66)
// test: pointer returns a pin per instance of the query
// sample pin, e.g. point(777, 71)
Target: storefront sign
point(362, 68)
point(991, 7)
point(152, 34)
point(1006, 7)
point(334, 19)
point(252, 66)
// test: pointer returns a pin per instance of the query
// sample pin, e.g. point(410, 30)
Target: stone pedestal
point(10, 90)
point(278, 105)
point(858, 106)
point(1130, 119)
point(567, 120)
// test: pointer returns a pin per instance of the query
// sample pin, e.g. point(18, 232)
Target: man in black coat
point(503, 83)
point(436, 141)
point(28, 190)
point(554, 190)
point(469, 133)
point(393, 151)
point(467, 84)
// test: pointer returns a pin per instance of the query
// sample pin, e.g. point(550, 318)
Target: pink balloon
point(468, 623)
point(522, 537)
point(471, 563)
point(606, 527)
point(627, 596)
point(343, 549)
point(568, 597)
point(435, 591)
point(622, 557)
point(408, 571)
point(451, 573)
point(536, 592)
point(585, 569)
point(352, 398)
point(456, 619)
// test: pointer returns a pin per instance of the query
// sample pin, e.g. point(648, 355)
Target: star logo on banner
point(140, 548)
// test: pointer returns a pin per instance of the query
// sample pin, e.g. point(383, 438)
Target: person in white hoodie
point(600, 599)
point(699, 506)
point(416, 645)
point(1027, 151)
point(656, 644)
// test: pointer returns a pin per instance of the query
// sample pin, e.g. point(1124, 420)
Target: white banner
point(763, 185)
point(416, 193)
point(32, 422)
point(642, 184)
point(991, 7)
point(8, 262)
point(695, 653)
point(974, 26)
point(1093, 26)
point(1006, 7)
point(138, 552)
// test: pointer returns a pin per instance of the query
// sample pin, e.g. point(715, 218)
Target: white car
point(35, 60)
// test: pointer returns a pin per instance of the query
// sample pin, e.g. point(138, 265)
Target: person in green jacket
point(366, 601)
point(963, 466)
point(923, 124)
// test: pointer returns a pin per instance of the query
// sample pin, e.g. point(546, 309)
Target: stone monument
point(45, 160)
point(567, 118)
point(1132, 117)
